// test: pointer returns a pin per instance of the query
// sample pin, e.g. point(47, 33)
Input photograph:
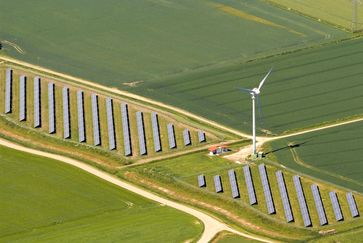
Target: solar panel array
point(186, 137)
point(249, 184)
point(8, 90)
point(266, 189)
point(201, 181)
point(22, 98)
point(201, 136)
point(126, 129)
point(284, 196)
point(336, 206)
point(51, 107)
point(141, 132)
point(95, 121)
point(233, 182)
point(110, 124)
point(156, 131)
point(66, 114)
point(302, 202)
point(80, 110)
point(37, 103)
point(218, 183)
point(319, 205)
point(171, 136)
point(352, 206)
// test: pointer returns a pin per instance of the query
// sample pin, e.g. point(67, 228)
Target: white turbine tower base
point(254, 93)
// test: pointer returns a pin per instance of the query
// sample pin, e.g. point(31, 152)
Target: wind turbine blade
point(264, 79)
point(259, 109)
point(245, 90)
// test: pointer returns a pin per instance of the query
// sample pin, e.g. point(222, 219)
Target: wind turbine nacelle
point(256, 91)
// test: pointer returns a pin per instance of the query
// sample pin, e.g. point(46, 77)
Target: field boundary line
point(211, 225)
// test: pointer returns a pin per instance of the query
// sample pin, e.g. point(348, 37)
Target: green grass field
point(332, 155)
point(226, 237)
point(43, 200)
point(115, 42)
point(305, 88)
point(337, 12)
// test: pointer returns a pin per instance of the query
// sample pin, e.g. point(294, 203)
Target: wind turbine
point(255, 92)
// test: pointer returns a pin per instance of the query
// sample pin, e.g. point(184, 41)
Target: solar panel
point(95, 120)
point(249, 184)
point(37, 103)
point(80, 109)
point(126, 129)
point(319, 205)
point(186, 137)
point(266, 189)
point(8, 90)
point(110, 124)
point(302, 202)
point(156, 131)
point(66, 114)
point(141, 132)
point(218, 183)
point(284, 196)
point(201, 181)
point(233, 182)
point(171, 136)
point(336, 206)
point(201, 137)
point(51, 108)
point(22, 98)
point(352, 205)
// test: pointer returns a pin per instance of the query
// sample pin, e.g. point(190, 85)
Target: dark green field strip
point(305, 88)
point(333, 155)
point(115, 42)
point(45, 200)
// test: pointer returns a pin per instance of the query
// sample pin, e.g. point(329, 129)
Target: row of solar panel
point(95, 117)
point(284, 195)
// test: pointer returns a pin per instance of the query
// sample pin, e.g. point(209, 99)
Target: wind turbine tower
point(255, 93)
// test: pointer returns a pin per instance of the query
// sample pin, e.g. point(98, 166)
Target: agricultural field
point(225, 237)
point(332, 155)
point(305, 88)
point(337, 12)
point(180, 174)
point(115, 42)
point(43, 200)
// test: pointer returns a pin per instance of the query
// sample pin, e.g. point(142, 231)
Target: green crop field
point(337, 12)
point(305, 88)
point(333, 155)
point(43, 200)
point(114, 42)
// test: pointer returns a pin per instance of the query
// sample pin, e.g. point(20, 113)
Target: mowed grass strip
point(45, 200)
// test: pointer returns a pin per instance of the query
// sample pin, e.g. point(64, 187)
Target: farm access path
point(212, 226)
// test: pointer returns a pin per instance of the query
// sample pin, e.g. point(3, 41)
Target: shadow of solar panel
point(302, 202)
point(171, 136)
point(249, 185)
point(8, 90)
point(156, 131)
point(186, 137)
point(66, 114)
point(336, 206)
point(110, 124)
point(95, 120)
point(141, 132)
point(22, 98)
point(201, 137)
point(266, 189)
point(284, 196)
point(201, 181)
point(319, 205)
point(126, 129)
point(80, 111)
point(218, 183)
point(51, 108)
point(37, 103)
point(233, 183)
point(352, 205)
